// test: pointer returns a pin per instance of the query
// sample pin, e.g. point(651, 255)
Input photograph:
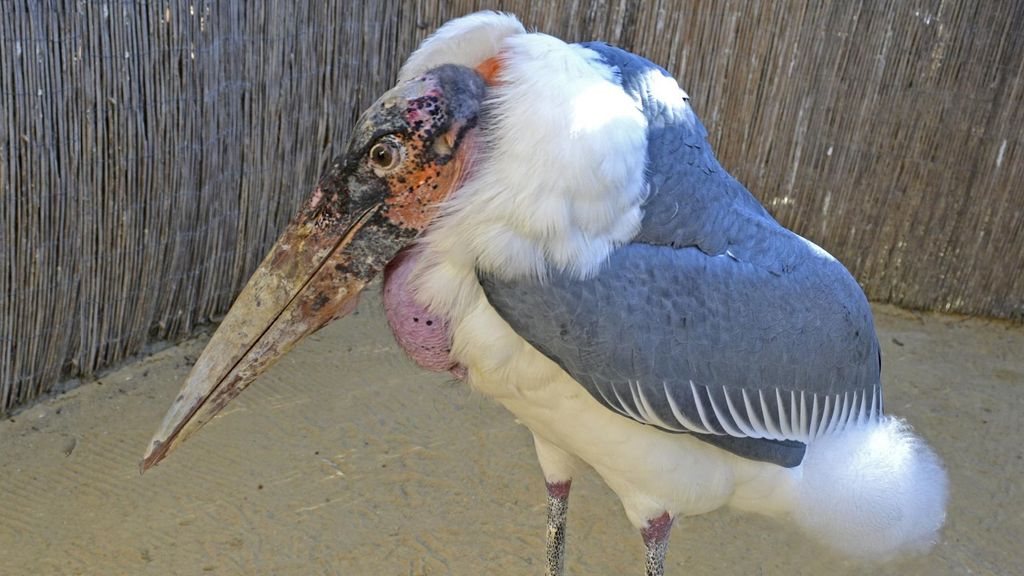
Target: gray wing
point(716, 320)
point(688, 342)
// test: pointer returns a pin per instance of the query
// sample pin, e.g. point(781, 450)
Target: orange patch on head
point(413, 204)
point(489, 70)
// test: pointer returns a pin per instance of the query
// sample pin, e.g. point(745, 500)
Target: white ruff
point(561, 177)
point(559, 186)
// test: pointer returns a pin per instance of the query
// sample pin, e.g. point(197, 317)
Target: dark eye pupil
point(382, 155)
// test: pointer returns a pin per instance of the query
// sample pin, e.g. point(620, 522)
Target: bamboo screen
point(151, 151)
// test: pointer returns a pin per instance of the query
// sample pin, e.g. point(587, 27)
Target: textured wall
point(151, 151)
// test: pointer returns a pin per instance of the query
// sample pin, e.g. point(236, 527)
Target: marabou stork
point(556, 210)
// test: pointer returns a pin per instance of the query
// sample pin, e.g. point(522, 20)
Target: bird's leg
point(559, 467)
point(656, 540)
point(558, 511)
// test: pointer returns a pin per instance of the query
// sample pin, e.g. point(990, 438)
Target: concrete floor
point(346, 459)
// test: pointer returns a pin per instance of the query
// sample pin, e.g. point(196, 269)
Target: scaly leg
point(558, 510)
point(656, 540)
point(559, 467)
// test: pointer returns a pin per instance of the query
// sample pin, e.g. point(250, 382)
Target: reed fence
point(151, 151)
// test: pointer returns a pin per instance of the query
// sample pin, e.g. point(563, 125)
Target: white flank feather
point(872, 491)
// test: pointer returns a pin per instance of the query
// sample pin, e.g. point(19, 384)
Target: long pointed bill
point(372, 203)
point(307, 279)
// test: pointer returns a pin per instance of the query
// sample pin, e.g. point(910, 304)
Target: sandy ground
point(346, 459)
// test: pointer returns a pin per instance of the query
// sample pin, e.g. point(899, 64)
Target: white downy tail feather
point(873, 491)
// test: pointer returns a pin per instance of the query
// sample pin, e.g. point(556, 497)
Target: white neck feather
point(559, 181)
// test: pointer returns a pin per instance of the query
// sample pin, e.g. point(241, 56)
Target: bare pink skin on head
point(425, 337)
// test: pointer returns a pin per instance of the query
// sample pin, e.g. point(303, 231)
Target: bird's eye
point(385, 155)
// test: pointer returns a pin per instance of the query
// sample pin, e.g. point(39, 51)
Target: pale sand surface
point(346, 459)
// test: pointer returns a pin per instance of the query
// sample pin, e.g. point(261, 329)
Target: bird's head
point(409, 152)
